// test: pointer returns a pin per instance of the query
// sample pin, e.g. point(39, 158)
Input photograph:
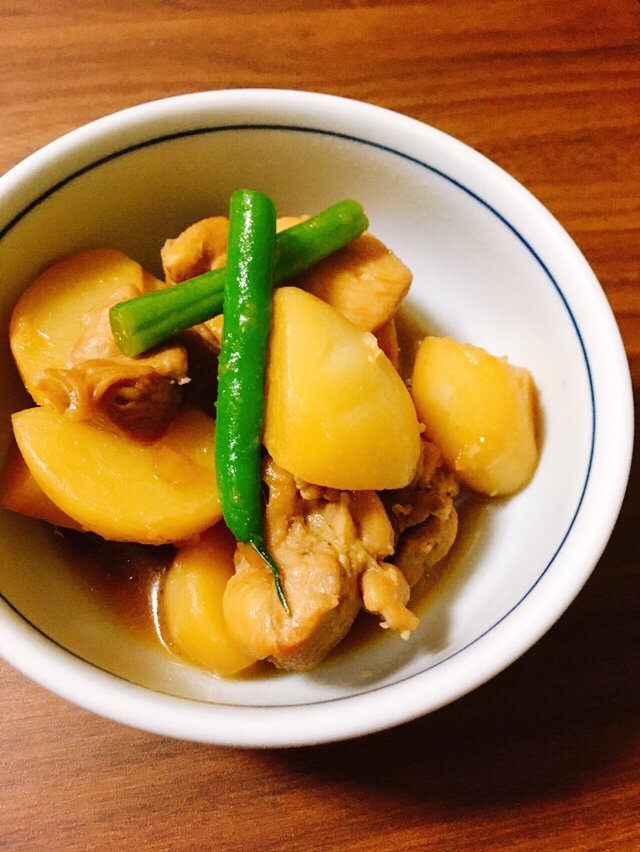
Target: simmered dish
point(360, 463)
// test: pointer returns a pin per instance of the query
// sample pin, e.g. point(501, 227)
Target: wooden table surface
point(546, 755)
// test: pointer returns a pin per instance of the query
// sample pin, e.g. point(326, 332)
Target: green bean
point(148, 320)
point(241, 369)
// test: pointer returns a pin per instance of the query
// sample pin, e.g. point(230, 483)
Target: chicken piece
point(333, 550)
point(323, 598)
point(423, 515)
point(202, 247)
point(198, 249)
point(365, 281)
point(424, 545)
point(323, 541)
point(386, 591)
point(139, 396)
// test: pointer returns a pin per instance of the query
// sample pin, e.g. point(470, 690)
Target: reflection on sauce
point(122, 578)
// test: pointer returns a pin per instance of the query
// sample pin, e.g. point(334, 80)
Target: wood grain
point(546, 755)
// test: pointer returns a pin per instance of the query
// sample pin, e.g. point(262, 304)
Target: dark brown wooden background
point(545, 756)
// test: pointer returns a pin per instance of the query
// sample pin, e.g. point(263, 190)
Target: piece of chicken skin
point(323, 541)
point(137, 395)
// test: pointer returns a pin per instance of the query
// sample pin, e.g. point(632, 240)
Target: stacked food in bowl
point(403, 370)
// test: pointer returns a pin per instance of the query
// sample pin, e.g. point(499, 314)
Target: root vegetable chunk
point(121, 489)
point(21, 493)
point(480, 410)
point(192, 603)
point(50, 315)
point(337, 413)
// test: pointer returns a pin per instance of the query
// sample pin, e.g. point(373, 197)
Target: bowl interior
point(490, 267)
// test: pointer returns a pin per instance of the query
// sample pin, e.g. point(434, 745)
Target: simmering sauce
point(125, 579)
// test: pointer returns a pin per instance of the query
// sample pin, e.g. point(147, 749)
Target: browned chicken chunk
point(202, 247)
point(324, 541)
point(365, 281)
point(198, 249)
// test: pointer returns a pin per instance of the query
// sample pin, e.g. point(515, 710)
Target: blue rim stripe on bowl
point(387, 149)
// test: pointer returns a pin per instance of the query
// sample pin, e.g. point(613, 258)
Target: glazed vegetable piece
point(119, 488)
point(141, 323)
point(245, 338)
point(480, 410)
point(337, 412)
point(21, 493)
point(64, 349)
point(192, 592)
point(49, 316)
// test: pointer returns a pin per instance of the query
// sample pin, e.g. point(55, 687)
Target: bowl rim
point(39, 657)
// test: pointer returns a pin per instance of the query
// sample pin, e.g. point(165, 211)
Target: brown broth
point(122, 578)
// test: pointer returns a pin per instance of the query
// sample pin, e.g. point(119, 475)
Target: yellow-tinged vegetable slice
point(337, 413)
point(480, 410)
point(121, 489)
point(192, 615)
point(48, 318)
point(21, 493)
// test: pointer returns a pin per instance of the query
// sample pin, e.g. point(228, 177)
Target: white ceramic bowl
point(491, 267)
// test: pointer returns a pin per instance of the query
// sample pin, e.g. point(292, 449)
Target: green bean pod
point(148, 320)
point(248, 286)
